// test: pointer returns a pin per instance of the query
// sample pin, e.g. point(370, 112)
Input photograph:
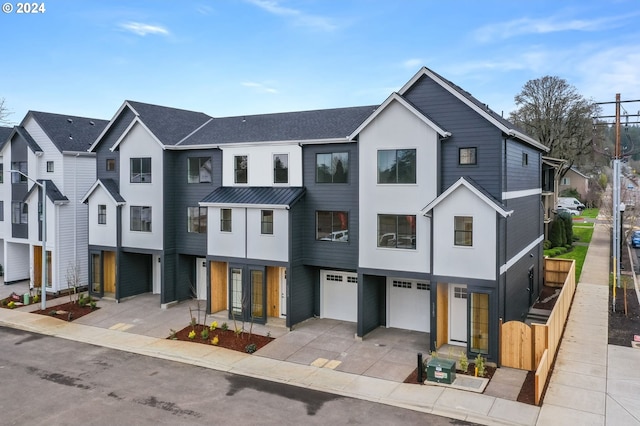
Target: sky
point(242, 57)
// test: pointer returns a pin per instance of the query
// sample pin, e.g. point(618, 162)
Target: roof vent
point(92, 123)
point(70, 137)
point(69, 120)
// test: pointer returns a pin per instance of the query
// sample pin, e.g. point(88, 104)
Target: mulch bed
point(67, 311)
point(18, 299)
point(226, 338)
point(471, 370)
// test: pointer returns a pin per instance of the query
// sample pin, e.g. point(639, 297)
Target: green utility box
point(441, 370)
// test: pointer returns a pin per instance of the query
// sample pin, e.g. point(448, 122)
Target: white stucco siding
point(138, 143)
point(268, 246)
point(477, 261)
point(260, 164)
point(232, 244)
point(102, 234)
point(396, 128)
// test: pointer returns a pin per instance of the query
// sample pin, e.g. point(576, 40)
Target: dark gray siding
point(134, 274)
point(524, 225)
point(371, 303)
point(522, 176)
point(301, 282)
point(168, 292)
point(102, 150)
point(517, 297)
point(186, 277)
point(19, 189)
point(468, 130)
point(331, 197)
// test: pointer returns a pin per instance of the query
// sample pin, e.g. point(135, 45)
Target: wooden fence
point(534, 348)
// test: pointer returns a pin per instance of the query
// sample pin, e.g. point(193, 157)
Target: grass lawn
point(584, 233)
point(578, 254)
point(590, 213)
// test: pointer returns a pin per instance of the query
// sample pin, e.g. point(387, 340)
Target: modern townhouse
point(421, 213)
point(50, 151)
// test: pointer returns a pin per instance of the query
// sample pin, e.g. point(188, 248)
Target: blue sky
point(237, 57)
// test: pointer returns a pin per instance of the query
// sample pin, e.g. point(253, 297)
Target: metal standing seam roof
point(67, 132)
point(261, 195)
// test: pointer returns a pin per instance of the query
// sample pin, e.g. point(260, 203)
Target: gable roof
point(474, 188)
point(53, 193)
point(301, 126)
point(578, 172)
point(4, 134)
point(22, 132)
point(399, 99)
point(67, 132)
point(254, 197)
point(111, 188)
point(482, 109)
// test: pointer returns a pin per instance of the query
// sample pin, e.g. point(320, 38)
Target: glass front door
point(248, 294)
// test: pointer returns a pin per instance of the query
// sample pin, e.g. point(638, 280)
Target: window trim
point(197, 221)
point(142, 174)
point(332, 172)
point(22, 212)
point(102, 214)
point(465, 242)
point(468, 149)
point(266, 226)
point(236, 169)
point(50, 166)
point(201, 164)
point(224, 221)
point(142, 209)
point(335, 217)
point(285, 169)
point(110, 164)
point(413, 237)
point(525, 159)
point(397, 180)
point(1, 172)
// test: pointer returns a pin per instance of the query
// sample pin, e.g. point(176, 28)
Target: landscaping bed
point(242, 341)
point(67, 311)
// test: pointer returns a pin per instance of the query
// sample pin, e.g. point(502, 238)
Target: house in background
point(551, 169)
point(574, 179)
point(52, 150)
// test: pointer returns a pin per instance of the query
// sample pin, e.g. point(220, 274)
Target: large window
point(225, 220)
point(19, 212)
point(397, 231)
point(140, 218)
point(240, 168)
point(197, 219)
point(199, 169)
point(332, 167)
point(479, 323)
point(266, 223)
point(463, 230)
point(467, 156)
point(22, 167)
point(141, 170)
point(281, 168)
point(397, 166)
point(332, 226)
point(102, 214)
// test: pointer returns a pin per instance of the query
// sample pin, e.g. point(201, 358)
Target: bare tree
point(553, 111)
point(4, 113)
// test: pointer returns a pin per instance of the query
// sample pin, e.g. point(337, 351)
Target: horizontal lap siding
point(525, 223)
point(300, 279)
point(134, 274)
point(110, 138)
point(523, 177)
point(331, 197)
point(372, 306)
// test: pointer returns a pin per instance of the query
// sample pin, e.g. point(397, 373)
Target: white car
point(572, 212)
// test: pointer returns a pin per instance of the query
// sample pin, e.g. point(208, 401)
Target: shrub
point(568, 227)
point(192, 335)
point(557, 235)
point(480, 368)
point(224, 326)
point(251, 348)
point(214, 325)
point(464, 362)
point(172, 334)
point(546, 244)
point(215, 340)
point(204, 334)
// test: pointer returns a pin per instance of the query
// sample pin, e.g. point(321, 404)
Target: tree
point(4, 113)
point(552, 111)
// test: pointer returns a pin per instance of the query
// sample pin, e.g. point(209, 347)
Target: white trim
point(95, 185)
point(463, 182)
point(129, 127)
point(510, 195)
point(245, 206)
point(108, 126)
point(504, 268)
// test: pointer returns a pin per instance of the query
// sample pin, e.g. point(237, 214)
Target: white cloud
point(298, 17)
point(413, 63)
point(259, 87)
point(143, 29)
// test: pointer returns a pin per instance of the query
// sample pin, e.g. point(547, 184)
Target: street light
point(43, 283)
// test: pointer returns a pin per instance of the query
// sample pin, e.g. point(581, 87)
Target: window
point(102, 214)
point(463, 231)
point(111, 164)
point(397, 231)
point(199, 169)
point(19, 212)
point(266, 223)
point(22, 167)
point(197, 219)
point(141, 170)
point(225, 220)
point(332, 167)
point(50, 166)
point(240, 168)
point(1, 172)
point(397, 166)
point(467, 156)
point(332, 226)
point(565, 181)
point(1, 211)
point(281, 168)
point(525, 159)
point(479, 323)
point(140, 218)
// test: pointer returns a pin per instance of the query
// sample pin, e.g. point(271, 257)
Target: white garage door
point(408, 306)
point(339, 295)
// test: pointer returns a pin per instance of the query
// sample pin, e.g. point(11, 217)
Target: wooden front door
point(37, 266)
point(218, 283)
point(109, 271)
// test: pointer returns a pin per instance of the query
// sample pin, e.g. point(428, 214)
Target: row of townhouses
point(421, 213)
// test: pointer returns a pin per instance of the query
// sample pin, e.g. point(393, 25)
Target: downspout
point(502, 281)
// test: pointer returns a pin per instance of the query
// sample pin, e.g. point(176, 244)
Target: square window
point(240, 168)
point(199, 170)
point(397, 231)
point(467, 156)
point(332, 167)
point(20, 166)
point(50, 166)
point(110, 165)
point(332, 226)
point(102, 214)
point(140, 218)
point(281, 168)
point(397, 166)
point(197, 219)
point(225, 220)
point(266, 224)
point(463, 231)
point(141, 170)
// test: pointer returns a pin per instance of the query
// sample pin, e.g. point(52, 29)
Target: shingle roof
point(53, 193)
point(262, 195)
point(69, 133)
point(28, 139)
point(110, 186)
point(169, 125)
point(4, 134)
point(291, 126)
